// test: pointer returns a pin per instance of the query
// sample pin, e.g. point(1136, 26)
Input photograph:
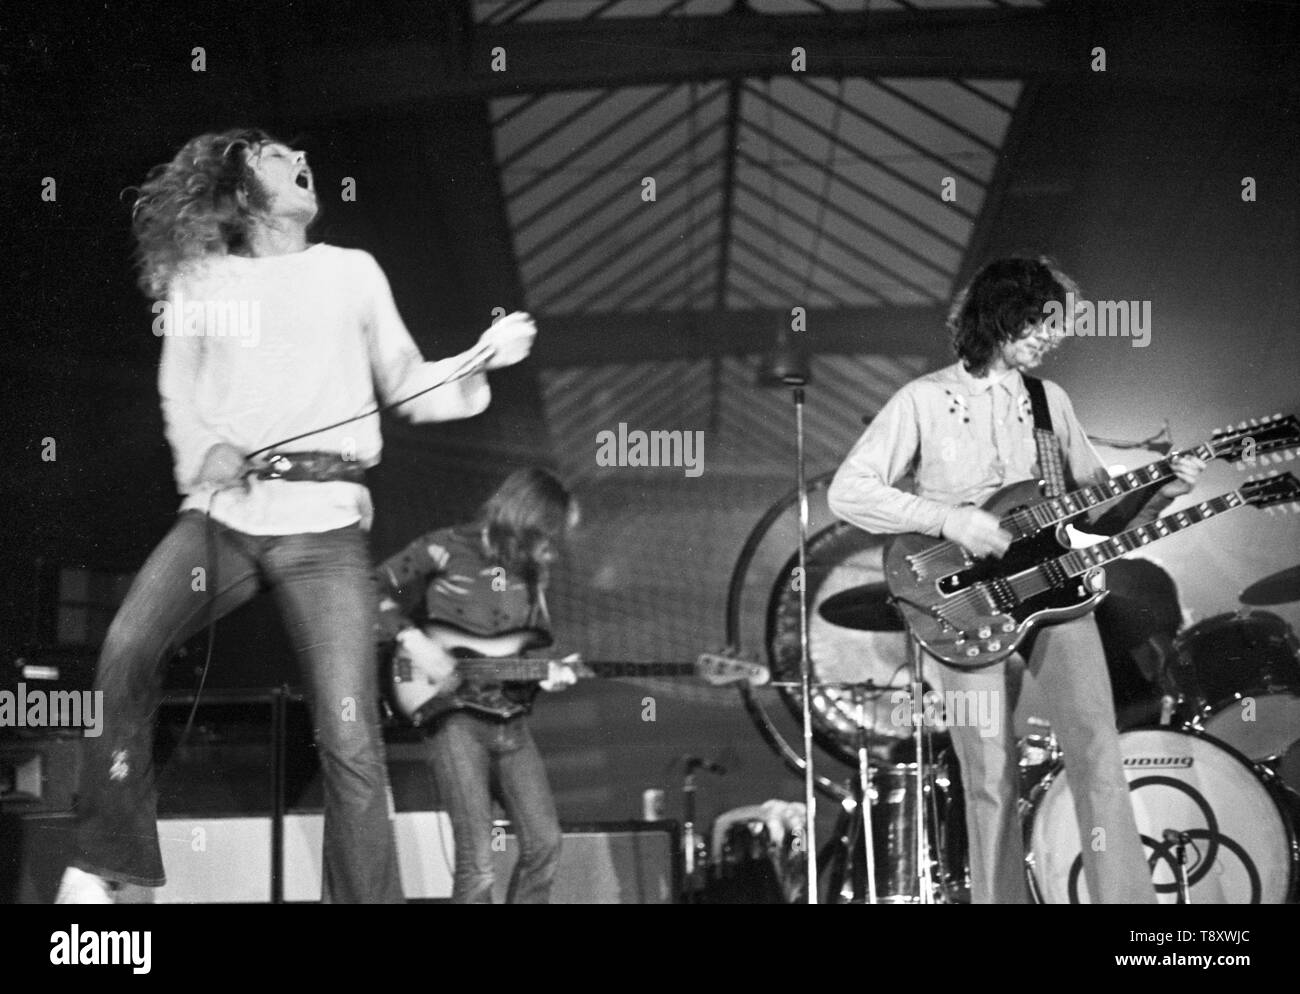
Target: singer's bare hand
point(223, 465)
point(511, 337)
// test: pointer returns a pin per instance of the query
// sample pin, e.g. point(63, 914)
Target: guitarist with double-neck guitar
point(962, 434)
point(480, 589)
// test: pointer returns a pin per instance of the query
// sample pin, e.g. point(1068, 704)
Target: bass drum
point(1242, 849)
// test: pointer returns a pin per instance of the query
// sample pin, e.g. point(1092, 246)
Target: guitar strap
point(1051, 462)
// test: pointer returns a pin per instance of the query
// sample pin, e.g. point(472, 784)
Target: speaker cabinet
point(215, 860)
point(601, 863)
point(38, 773)
point(424, 854)
point(34, 850)
point(616, 863)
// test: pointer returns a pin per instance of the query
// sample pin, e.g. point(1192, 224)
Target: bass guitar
point(418, 696)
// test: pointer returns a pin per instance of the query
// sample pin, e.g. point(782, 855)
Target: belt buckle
point(276, 467)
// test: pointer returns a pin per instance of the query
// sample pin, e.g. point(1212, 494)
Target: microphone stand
point(786, 366)
point(865, 807)
point(1179, 841)
point(805, 666)
point(924, 881)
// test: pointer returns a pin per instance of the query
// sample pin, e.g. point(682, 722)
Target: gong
point(844, 566)
point(855, 635)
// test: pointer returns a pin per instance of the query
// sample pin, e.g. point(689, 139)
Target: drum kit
point(1215, 784)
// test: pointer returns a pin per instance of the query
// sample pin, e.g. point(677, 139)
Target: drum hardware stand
point(864, 781)
point(839, 853)
point(695, 850)
point(1167, 704)
point(1179, 841)
point(922, 733)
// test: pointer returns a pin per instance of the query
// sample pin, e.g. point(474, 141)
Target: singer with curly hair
point(266, 340)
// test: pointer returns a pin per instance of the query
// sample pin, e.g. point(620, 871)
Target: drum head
point(1241, 849)
point(1259, 726)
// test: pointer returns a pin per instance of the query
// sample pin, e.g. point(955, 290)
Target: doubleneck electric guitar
point(974, 621)
point(1037, 524)
point(419, 697)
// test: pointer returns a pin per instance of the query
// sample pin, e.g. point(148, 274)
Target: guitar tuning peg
point(1277, 416)
point(1288, 455)
point(1254, 422)
point(1242, 426)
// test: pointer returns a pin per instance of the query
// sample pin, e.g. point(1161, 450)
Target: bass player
point(482, 586)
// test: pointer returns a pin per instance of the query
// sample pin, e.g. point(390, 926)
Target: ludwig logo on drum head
point(1158, 762)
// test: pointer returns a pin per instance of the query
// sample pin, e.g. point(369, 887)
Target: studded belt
point(317, 467)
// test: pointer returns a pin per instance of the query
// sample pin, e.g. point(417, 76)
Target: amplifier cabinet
point(600, 863)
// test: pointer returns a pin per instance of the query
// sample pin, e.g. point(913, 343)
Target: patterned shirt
point(961, 439)
point(445, 577)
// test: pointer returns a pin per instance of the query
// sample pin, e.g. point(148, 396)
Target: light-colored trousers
point(1068, 663)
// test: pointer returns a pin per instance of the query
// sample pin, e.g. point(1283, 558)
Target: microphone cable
point(477, 358)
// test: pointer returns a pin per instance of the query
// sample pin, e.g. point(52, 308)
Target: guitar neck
point(526, 670)
point(1056, 572)
point(1030, 520)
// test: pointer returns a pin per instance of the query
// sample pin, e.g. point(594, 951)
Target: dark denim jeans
point(467, 753)
point(321, 582)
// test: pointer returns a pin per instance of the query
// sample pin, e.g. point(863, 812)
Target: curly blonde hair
point(190, 208)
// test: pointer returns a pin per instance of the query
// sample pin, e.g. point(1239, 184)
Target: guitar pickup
point(1002, 595)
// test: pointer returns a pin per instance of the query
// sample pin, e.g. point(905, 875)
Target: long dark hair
point(190, 208)
point(527, 515)
point(1005, 297)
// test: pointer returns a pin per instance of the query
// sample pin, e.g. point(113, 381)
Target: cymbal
point(1281, 587)
point(865, 608)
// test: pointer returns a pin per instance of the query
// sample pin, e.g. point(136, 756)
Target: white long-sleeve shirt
point(261, 349)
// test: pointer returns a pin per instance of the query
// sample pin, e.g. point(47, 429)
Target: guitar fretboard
point(1030, 520)
point(523, 670)
point(1056, 572)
